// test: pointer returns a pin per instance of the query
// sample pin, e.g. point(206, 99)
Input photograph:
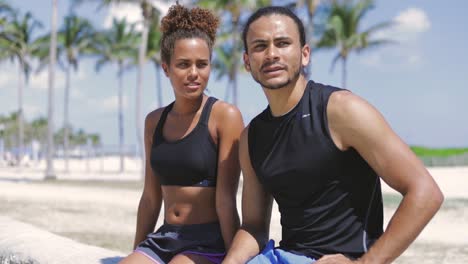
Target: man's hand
point(335, 259)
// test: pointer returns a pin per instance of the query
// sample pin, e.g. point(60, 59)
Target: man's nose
point(272, 52)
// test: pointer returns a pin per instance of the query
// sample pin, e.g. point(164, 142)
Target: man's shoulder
point(321, 88)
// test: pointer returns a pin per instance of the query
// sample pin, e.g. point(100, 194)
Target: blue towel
point(272, 255)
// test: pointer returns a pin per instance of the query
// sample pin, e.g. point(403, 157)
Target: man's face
point(274, 55)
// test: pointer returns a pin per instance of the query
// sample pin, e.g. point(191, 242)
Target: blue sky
point(419, 84)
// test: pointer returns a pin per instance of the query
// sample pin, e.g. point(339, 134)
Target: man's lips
point(272, 69)
point(267, 68)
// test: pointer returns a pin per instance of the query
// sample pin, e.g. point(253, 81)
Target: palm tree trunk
point(50, 112)
point(235, 87)
point(235, 91)
point(228, 90)
point(121, 121)
point(311, 7)
point(19, 119)
point(138, 117)
point(344, 73)
point(66, 125)
point(235, 63)
point(158, 84)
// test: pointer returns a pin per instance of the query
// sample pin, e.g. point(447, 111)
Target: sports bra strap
point(207, 110)
point(158, 131)
point(203, 119)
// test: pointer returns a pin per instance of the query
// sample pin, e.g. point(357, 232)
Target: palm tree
point(5, 11)
point(311, 9)
point(6, 15)
point(74, 40)
point(50, 174)
point(343, 31)
point(226, 64)
point(148, 10)
point(153, 53)
point(234, 9)
point(18, 45)
point(117, 45)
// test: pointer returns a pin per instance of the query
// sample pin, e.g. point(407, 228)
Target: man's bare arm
point(356, 124)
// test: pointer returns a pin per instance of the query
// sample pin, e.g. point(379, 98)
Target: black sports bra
point(189, 161)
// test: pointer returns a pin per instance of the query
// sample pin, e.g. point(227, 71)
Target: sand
point(103, 213)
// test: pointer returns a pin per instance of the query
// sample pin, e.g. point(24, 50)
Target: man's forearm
point(244, 247)
point(415, 211)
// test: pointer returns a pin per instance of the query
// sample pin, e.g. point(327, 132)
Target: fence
point(85, 158)
point(456, 160)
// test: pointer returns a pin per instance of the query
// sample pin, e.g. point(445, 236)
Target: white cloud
point(393, 58)
point(132, 12)
point(111, 103)
point(412, 20)
point(409, 25)
point(39, 81)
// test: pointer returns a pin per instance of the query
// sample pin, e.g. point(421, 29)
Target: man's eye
point(259, 46)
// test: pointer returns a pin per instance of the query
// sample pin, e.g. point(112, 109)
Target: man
point(318, 150)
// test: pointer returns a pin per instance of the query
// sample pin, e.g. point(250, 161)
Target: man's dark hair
point(274, 10)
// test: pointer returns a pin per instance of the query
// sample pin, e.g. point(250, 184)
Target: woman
point(191, 148)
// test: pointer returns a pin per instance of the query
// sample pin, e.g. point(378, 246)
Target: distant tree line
point(442, 156)
point(36, 129)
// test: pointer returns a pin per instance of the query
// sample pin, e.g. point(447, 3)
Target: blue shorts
point(272, 255)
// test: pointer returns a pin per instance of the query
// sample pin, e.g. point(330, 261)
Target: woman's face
point(189, 68)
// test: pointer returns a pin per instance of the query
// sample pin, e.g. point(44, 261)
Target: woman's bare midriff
point(186, 205)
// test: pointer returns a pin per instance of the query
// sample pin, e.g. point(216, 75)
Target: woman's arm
point(256, 212)
point(229, 127)
point(151, 199)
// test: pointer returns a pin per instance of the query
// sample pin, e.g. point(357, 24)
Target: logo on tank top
point(305, 115)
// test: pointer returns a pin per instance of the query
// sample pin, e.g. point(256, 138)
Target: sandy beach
point(98, 207)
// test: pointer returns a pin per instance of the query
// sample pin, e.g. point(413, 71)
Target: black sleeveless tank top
point(330, 200)
point(190, 161)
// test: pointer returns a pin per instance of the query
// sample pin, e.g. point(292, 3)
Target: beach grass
point(438, 152)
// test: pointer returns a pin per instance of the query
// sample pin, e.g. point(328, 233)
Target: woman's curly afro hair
point(182, 23)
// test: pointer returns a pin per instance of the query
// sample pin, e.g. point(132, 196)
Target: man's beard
point(276, 86)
